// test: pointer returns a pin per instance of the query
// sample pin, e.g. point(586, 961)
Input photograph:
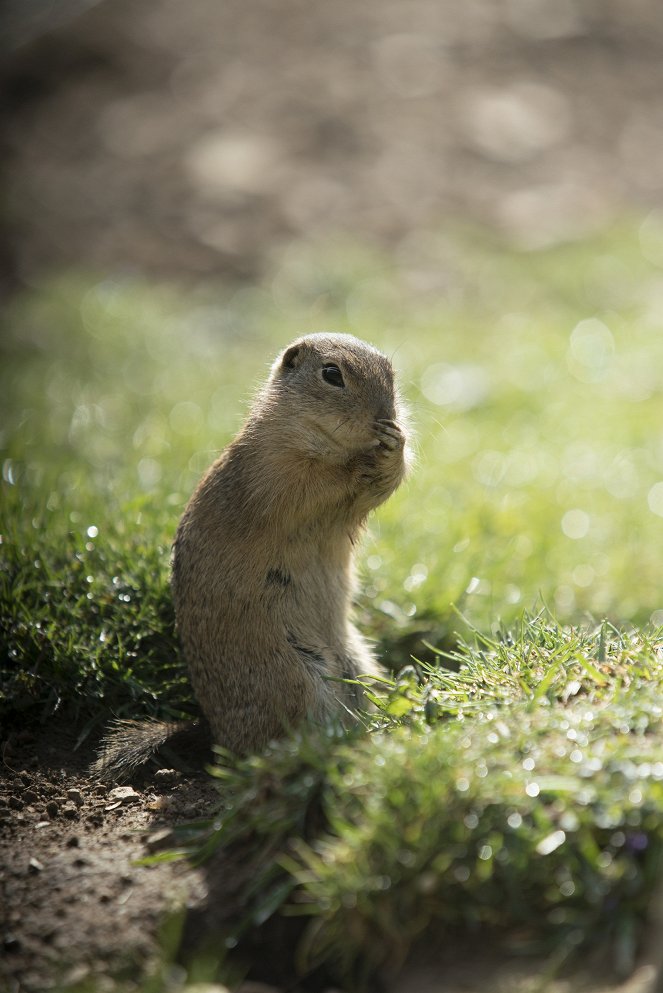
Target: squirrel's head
point(333, 387)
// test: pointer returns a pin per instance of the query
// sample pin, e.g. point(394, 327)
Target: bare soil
point(73, 901)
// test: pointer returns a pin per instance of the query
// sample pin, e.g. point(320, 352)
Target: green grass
point(537, 396)
point(520, 791)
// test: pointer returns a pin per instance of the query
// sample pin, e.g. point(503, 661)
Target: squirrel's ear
point(292, 357)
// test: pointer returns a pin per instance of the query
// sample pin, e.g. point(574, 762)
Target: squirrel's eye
point(332, 375)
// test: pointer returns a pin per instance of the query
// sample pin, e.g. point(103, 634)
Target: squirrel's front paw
point(389, 435)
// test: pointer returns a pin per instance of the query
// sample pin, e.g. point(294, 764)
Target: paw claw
point(389, 435)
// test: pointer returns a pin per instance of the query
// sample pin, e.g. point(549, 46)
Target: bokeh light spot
point(655, 499)
point(460, 387)
point(591, 350)
point(575, 524)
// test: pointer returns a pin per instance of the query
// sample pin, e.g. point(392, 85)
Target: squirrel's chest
point(311, 579)
point(310, 583)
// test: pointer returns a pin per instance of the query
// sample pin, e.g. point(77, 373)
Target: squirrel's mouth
point(340, 439)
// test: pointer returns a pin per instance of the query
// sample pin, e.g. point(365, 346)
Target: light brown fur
point(263, 575)
point(263, 557)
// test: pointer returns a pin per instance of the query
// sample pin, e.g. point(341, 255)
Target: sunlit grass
point(537, 397)
point(521, 791)
point(536, 387)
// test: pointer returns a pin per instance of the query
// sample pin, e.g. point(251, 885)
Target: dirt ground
point(73, 903)
point(199, 140)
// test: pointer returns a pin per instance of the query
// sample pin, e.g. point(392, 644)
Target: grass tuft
point(484, 796)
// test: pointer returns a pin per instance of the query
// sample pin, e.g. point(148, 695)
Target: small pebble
point(73, 841)
point(164, 777)
point(52, 808)
point(25, 778)
point(15, 803)
point(76, 797)
point(125, 794)
point(70, 812)
point(34, 865)
point(29, 796)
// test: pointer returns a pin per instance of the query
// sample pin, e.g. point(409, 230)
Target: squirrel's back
point(262, 567)
point(263, 556)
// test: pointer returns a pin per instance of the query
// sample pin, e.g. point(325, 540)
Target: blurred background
point(193, 140)
point(475, 187)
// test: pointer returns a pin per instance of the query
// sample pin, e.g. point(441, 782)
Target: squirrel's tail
point(130, 744)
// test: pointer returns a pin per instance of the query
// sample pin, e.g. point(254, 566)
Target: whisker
point(341, 424)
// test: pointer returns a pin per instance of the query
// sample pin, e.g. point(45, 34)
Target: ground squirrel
point(263, 556)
